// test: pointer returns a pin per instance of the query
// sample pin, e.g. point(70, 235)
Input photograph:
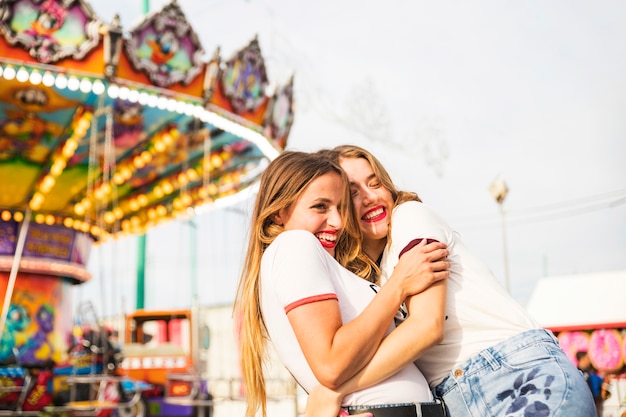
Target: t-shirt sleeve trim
point(414, 243)
point(308, 300)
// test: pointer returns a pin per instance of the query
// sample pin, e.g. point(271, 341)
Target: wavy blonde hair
point(282, 183)
point(363, 265)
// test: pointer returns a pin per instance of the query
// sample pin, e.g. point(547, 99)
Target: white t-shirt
point(479, 311)
point(296, 270)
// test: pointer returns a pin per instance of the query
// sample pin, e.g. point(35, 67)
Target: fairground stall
point(588, 314)
point(105, 133)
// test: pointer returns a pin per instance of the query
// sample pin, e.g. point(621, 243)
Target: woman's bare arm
point(336, 351)
point(421, 330)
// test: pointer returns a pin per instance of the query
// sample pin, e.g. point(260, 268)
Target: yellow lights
point(118, 178)
point(212, 189)
point(137, 213)
point(126, 173)
point(192, 174)
point(82, 125)
point(122, 175)
point(142, 200)
point(135, 222)
point(186, 200)
point(79, 209)
point(159, 146)
point(47, 183)
point(146, 157)
point(161, 210)
point(118, 212)
point(167, 139)
point(133, 205)
point(57, 167)
point(109, 200)
point(167, 187)
point(69, 148)
point(99, 193)
point(138, 162)
point(109, 217)
point(216, 161)
point(36, 201)
point(106, 188)
point(52, 220)
point(86, 203)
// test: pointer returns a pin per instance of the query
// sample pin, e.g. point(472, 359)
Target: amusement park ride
point(104, 134)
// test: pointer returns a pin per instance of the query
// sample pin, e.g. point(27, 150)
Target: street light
point(499, 191)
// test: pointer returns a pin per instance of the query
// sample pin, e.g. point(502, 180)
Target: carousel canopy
point(105, 132)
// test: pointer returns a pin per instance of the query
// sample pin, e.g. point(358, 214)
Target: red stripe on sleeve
point(308, 300)
point(414, 243)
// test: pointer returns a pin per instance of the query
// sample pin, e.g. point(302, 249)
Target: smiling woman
point(317, 210)
point(488, 344)
point(296, 290)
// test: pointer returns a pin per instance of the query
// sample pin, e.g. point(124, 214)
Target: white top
point(296, 270)
point(479, 311)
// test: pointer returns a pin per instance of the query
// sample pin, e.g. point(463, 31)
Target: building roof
point(580, 302)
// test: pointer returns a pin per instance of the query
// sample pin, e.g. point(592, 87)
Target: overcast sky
point(450, 95)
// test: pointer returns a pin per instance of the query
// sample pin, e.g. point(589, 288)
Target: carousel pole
point(141, 255)
point(21, 239)
point(141, 272)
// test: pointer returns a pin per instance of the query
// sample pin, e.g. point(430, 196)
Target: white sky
point(449, 95)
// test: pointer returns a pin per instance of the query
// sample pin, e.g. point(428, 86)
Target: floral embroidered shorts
point(527, 375)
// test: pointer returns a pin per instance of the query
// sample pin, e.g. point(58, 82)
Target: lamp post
point(499, 190)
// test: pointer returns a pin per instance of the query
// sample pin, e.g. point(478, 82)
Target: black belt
point(434, 409)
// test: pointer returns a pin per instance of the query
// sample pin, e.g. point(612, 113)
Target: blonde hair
point(282, 183)
point(336, 154)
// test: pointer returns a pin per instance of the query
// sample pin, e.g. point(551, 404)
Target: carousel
point(105, 133)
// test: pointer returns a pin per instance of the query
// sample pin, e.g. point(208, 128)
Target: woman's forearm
point(422, 330)
point(337, 351)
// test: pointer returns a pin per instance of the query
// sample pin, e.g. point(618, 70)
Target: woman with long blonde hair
point(295, 288)
point(492, 359)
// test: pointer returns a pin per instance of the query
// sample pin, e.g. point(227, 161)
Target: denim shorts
point(527, 375)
